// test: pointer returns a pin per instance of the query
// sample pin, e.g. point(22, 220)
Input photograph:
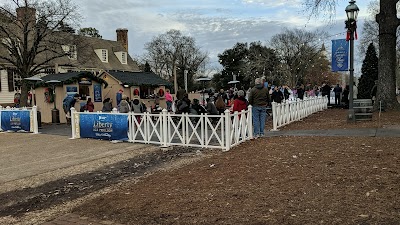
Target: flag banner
point(340, 55)
point(104, 126)
point(16, 120)
point(97, 93)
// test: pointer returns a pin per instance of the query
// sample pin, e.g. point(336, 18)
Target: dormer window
point(71, 51)
point(122, 57)
point(102, 54)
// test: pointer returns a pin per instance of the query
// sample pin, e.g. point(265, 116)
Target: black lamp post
point(351, 26)
point(55, 113)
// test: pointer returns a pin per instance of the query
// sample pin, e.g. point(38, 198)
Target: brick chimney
point(122, 37)
point(26, 14)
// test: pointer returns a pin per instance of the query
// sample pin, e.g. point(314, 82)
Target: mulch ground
point(279, 180)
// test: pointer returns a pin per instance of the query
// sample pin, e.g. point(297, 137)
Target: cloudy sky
point(216, 25)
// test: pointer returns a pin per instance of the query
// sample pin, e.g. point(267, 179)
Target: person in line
point(374, 91)
point(183, 105)
point(89, 105)
point(223, 95)
point(316, 90)
point(211, 109)
point(259, 98)
point(124, 106)
point(69, 102)
point(137, 107)
point(345, 96)
point(300, 92)
point(240, 103)
point(168, 99)
point(286, 92)
point(199, 109)
point(107, 105)
point(220, 104)
point(338, 93)
point(277, 95)
point(355, 90)
point(326, 91)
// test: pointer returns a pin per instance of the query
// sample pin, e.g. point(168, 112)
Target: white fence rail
point(168, 129)
point(13, 119)
point(288, 112)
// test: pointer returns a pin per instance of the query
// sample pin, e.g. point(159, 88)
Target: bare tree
point(388, 23)
point(299, 50)
point(31, 36)
point(172, 53)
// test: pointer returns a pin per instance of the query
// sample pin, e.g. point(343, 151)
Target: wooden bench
point(363, 109)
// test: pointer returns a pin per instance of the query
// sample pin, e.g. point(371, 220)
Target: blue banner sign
point(97, 93)
point(15, 120)
point(104, 126)
point(340, 55)
point(71, 90)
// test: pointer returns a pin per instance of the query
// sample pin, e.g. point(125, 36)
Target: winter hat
point(240, 93)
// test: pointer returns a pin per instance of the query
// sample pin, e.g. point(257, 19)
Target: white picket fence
point(33, 126)
point(290, 111)
point(167, 129)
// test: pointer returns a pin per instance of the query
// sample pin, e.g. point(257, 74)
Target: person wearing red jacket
point(89, 105)
point(240, 102)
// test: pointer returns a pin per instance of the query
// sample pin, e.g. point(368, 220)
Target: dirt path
point(277, 180)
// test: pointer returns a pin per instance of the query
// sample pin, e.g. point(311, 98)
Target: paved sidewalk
point(24, 155)
point(365, 132)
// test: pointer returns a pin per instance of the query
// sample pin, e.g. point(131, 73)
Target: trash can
point(55, 116)
point(39, 119)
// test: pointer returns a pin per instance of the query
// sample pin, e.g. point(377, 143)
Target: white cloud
point(216, 25)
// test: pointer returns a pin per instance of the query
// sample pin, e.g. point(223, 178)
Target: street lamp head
point(352, 11)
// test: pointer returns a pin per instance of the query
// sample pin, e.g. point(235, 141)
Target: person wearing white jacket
point(355, 90)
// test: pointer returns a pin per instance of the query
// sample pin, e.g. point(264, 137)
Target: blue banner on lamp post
point(340, 55)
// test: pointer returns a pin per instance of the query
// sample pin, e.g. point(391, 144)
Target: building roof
point(139, 78)
point(87, 58)
point(69, 78)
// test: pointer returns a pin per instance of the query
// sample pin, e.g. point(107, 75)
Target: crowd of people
point(260, 97)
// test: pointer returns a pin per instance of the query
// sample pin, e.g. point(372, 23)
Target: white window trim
point(102, 57)
point(71, 51)
point(122, 57)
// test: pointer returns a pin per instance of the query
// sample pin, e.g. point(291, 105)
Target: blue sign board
point(71, 90)
point(15, 120)
point(97, 93)
point(340, 55)
point(104, 126)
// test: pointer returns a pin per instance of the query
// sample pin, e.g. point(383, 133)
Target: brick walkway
point(73, 219)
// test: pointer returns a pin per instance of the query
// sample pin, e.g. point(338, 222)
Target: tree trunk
point(24, 94)
point(388, 23)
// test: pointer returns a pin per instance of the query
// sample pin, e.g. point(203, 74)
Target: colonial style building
point(81, 54)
